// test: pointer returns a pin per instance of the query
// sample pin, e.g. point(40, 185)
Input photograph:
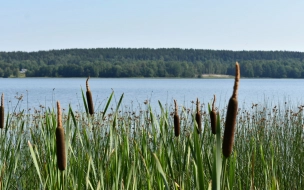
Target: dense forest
point(146, 62)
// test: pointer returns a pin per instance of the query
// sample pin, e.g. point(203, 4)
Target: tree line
point(146, 62)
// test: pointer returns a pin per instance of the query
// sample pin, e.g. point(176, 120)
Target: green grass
point(121, 148)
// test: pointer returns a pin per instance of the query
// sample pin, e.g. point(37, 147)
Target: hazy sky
point(32, 25)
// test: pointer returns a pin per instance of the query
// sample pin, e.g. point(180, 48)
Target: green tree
point(247, 69)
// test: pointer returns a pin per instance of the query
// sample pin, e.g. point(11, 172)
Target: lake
point(37, 92)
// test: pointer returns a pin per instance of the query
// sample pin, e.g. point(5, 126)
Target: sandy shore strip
point(215, 76)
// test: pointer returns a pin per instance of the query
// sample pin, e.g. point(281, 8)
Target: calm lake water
point(45, 92)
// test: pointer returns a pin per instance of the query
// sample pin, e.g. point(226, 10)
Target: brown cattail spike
point(87, 84)
point(2, 112)
point(228, 140)
point(176, 120)
point(236, 80)
point(89, 98)
point(198, 117)
point(213, 118)
point(60, 142)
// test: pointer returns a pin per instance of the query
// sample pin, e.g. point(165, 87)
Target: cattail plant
point(198, 117)
point(228, 140)
point(213, 118)
point(176, 120)
point(89, 98)
point(2, 112)
point(61, 156)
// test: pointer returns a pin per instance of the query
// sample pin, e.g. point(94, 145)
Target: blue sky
point(34, 25)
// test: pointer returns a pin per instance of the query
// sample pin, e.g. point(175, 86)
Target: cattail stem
point(59, 115)
point(60, 142)
point(228, 140)
point(89, 98)
point(198, 117)
point(2, 112)
point(213, 118)
point(176, 120)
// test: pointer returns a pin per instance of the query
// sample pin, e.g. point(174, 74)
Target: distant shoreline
point(146, 62)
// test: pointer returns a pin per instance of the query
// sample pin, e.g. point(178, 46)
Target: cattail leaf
point(88, 174)
point(167, 154)
point(232, 166)
point(218, 125)
point(119, 102)
point(195, 175)
point(35, 162)
point(161, 107)
point(129, 176)
point(98, 185)
point(208, 161)
point(177, 156)
point(161, 171)
point(199, 161)
point(84, 102)
point(214, 170)
point(71, 114)
point(217, 159)
point(210, 185)
point(101, 179)
point(187, 155)
point(107, 105)
point(10, 164)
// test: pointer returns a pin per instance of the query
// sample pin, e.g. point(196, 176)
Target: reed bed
point(122, 148)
